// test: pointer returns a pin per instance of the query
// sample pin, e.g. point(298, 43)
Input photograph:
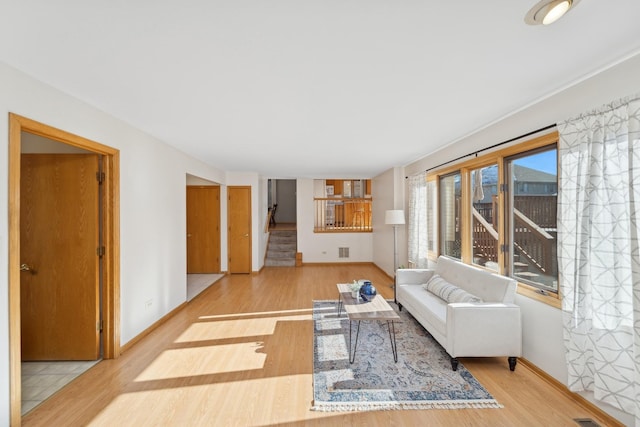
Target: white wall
point(286, 200)
point(263, 206)
point(542, 324)
point(615, 82)
point(323, 247)
point(388, 193)
point(152, 206)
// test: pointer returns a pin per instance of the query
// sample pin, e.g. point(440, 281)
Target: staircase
point(281, 249)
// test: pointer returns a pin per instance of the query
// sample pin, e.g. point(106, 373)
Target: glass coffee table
point(358, 310)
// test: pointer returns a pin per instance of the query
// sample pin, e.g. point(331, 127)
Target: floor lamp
point(394, 217)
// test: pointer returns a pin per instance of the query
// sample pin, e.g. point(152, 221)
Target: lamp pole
point(395, 258)
point(394, 218)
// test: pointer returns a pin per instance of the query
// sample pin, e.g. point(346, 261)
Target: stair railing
point(339, 215)
point(485, 237)
point(268, 222)
point(533, 242)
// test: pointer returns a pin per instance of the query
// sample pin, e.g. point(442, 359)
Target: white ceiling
point(302, 88)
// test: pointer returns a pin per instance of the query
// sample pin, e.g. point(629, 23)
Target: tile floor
point(197, 283)
point(40, 380)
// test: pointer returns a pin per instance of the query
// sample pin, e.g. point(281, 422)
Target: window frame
point(499, 157)
point(458, 220)
point(499, 213)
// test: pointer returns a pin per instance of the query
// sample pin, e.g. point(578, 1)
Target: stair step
point(280, 263)
point(282, 246)
point(526, 274)
point(520, 267)
point(282, 236)
point(281, 254)
point(282, 242)
point(281, 249)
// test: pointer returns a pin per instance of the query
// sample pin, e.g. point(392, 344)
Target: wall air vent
point(343, 252)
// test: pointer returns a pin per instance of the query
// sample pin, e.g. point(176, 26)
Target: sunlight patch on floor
point(205, 360)
point(256, 313)
point(199, 405)
point(227, 329)
point(230, 329)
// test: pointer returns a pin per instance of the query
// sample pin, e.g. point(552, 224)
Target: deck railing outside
point(534, 233)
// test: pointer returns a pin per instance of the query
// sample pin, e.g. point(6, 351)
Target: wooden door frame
point(111, 230)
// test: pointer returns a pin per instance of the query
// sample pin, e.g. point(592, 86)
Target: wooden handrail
point(531, 225)
point(485, 223)
point(268, 223)
point(542, 254)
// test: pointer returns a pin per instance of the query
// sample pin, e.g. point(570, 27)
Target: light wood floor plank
point(241, 354)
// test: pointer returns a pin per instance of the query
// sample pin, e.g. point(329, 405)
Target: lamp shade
point(394, 217)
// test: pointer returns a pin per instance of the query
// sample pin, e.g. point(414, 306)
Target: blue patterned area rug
point(421, 379)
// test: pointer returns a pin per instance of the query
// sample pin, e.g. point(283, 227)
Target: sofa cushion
point(491, 287)
point(448, 292)
point(427, 308)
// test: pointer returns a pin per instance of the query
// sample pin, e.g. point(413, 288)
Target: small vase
point(354, 294)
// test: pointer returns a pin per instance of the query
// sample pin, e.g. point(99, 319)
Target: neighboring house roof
point(525, 174)
point(522, 174)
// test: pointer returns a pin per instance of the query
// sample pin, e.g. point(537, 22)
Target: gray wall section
point(286, 199)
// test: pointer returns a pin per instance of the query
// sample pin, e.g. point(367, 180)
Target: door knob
point(246, 235)
point(27, 267)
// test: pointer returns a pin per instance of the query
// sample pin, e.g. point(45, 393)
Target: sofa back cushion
point(490, 287)
point(449, 292)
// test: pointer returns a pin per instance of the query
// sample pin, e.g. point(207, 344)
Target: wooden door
point(239, 219)
point(203, 229)
point(59, 282)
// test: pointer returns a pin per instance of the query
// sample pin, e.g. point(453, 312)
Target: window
point(450, 193)
point(532, 221)
point(484, 216)
point(498, 211)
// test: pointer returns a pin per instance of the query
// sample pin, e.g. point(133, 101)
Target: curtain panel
point(417, 227)
point(598, 252)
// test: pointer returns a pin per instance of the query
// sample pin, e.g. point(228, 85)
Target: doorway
point(282, 195)
point(203, 235)
point(31, 205)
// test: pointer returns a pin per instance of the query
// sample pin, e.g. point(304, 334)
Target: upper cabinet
point(355, 188)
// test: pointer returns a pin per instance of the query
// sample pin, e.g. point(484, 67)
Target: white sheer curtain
point(417, 228)
point(599, 256)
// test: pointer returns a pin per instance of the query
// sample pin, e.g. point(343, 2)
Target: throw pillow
point(448, 292)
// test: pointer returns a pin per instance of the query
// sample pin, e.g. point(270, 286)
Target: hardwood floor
point(241, 354)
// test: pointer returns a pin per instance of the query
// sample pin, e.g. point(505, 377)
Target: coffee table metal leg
point(355, 347)
point(394, 344)
point(339, 304)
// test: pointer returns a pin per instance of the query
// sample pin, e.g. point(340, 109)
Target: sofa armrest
point(484, 329)
point(413, 276)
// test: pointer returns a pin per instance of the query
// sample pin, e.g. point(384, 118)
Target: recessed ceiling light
point(546, 12)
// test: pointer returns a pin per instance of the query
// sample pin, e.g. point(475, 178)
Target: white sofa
point(490, 328)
